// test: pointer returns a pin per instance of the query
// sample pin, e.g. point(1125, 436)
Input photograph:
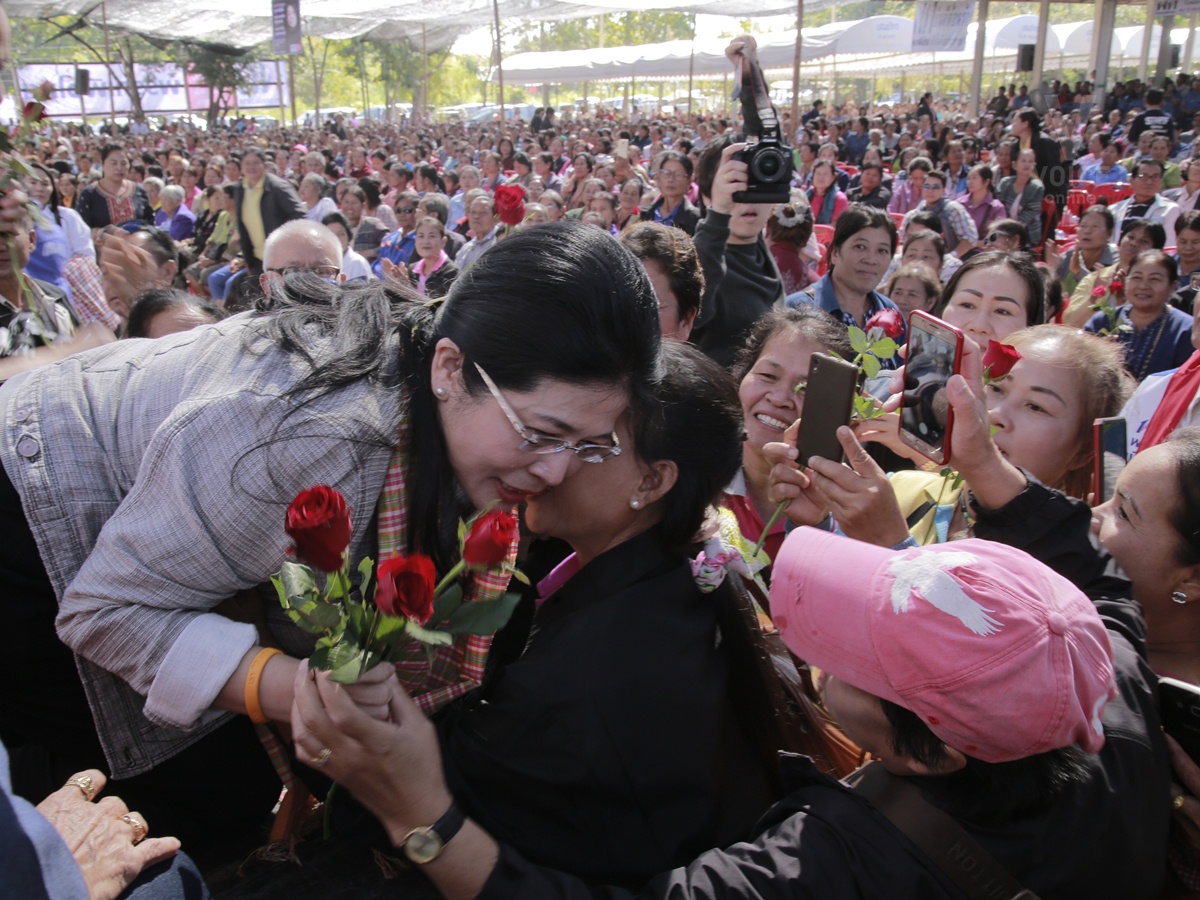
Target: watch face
point(423, 845)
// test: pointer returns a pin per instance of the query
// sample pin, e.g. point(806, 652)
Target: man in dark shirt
point(1153, 118)
point(871, 190)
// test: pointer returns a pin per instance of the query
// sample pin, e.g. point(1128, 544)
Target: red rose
point(1099, 291)
point(318, 520)
point(33, 111)
point(405, 587)
point(489, 539)
point(510, 204)
point(889, 321)
point(1116, 285)
point(999, 360)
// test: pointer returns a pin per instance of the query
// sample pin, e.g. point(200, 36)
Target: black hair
point(150, 303)
point(1102, 210)
point(1137, 166)
point(674, 156)
point(1158, 258)
point(108, 150)
point(808, 321)
point(158, 244)
point(338, 218)
point(926, 218)
point(1184, 516)
point(1054, 291)
point(673, 251)
point(859, 217)
point(370, 190)
point(52, 203)
point(1154, 230)
point(1011, 228)
point(710, 161)
point(982, 792)
point(582, 312)
point(1020, 263)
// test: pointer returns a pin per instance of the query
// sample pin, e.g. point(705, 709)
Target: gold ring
point(323, 757)
point(85, 784)
point(139, 830)
point(1177, 803)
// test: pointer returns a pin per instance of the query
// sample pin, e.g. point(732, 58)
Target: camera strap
point(760, 114)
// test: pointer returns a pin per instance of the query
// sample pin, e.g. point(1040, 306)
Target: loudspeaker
point(1025, 57)
point(82, 81)
point(1176, 57)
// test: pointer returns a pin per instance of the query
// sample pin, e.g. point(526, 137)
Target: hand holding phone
point(828, 403)
point(934, 353)
point(1179, 707)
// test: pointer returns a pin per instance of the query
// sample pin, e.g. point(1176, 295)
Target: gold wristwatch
point(424, 845)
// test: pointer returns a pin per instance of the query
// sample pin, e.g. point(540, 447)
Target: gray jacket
point(155, 476)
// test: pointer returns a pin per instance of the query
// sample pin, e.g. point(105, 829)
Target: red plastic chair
point(898, 218)
point(1114, 192)
point(1078, 185)
point(824, 236)
point(1078, 200)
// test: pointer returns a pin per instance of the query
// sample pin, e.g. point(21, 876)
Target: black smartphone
point(828, 402)
point(1110, 449)
point(1179, 706)
point(934, 354)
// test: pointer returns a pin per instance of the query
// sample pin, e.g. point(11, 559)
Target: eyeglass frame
point(541, 444)
point(308, 270)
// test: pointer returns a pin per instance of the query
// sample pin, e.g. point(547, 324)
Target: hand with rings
point(107, 839)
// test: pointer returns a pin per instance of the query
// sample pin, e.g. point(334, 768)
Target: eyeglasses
point(406, 210)
point(1148, 176)
point(540, 443)
point(666, 173)
point(319, 271)
point(997, 236)
point(932, 186)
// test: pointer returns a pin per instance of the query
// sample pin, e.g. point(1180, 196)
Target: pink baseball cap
point(1001, 657)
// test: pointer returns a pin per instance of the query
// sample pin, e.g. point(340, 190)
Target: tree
point(650, 27)
point(223, 69)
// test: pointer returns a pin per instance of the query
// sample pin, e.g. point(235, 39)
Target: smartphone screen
point(934, 350)
point(1111, 447)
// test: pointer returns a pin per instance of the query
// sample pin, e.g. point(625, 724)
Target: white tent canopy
point(239, 23)
point(878, 45)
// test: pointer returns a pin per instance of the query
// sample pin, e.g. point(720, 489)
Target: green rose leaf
point(884, 348)
point(870, 366)
point(858, 340)
point(299, 583)
point(483, 616)
point(428, 636)
point(447, 604)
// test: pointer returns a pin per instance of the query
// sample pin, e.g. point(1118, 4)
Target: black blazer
point(280, 204)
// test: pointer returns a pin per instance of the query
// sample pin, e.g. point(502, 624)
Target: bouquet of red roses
point(409, 606)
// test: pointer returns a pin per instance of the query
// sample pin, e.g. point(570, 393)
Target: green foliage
point(649, 27)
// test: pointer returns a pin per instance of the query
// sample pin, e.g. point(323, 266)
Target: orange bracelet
point(253, 707)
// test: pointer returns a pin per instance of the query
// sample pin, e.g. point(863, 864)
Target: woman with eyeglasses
point(1022, 195)
point(1008, 235)
point(146, 483)
point(613, 733)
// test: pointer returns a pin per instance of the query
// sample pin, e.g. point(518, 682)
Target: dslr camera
point(769, 159)
point(770, 168)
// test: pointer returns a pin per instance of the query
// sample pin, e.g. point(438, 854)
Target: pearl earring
point(441, 392)
point(1179, 597)
point(634, 504)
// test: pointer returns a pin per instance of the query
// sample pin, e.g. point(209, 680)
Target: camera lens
point(767, 165)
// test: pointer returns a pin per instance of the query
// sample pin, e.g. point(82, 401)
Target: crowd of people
point(579, 318)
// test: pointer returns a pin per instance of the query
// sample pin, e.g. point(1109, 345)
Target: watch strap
point(450, 823)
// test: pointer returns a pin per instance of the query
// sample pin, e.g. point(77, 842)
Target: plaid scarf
point(458, 668)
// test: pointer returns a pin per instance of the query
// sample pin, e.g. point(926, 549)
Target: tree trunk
point(125, 52)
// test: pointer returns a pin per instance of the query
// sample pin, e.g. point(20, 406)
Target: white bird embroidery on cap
point(924, 574)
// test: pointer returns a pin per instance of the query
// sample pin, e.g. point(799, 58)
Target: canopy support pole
point(425, 76)
point(499, 56)
point(977, 62)
point(1190, 44)
point(1039, 47)
point(795, 68)
point(1102, 39)
point(1164, 51)
point(1147, 36)
point(692, 65)
point(112, 100)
